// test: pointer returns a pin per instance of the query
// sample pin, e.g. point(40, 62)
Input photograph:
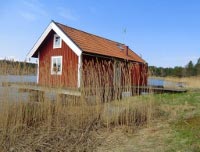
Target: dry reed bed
point(191, 82)
point(56, 126)
point(17, 68)
point(70, 124)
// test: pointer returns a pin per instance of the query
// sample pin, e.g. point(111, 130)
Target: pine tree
point(190, 71)
point(197, 67)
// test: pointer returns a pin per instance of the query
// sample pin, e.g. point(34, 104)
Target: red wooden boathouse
point(67, 57)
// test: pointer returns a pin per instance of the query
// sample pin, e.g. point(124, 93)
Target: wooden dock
point(153, 89)
point(38, 93)
point(76, 92)
point(26, 88)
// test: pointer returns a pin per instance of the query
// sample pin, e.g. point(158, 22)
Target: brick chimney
point(126, 50)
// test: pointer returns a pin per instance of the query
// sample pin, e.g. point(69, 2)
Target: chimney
point(126, 50)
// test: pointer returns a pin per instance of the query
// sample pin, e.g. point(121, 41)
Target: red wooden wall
point(139, 74)
point(102, 69)
point(69, 64)
point(136, 73)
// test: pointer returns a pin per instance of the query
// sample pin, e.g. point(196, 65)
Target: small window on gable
point(57, 41)
point(56, 65)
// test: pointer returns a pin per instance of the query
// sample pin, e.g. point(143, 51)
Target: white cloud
point(173, 61)
point(10, 58)
point(186, 59)
point(28, 16)
point(32, 10)
point(66, 14)
point(92, 9)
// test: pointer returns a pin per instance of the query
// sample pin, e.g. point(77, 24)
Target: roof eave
point(112, 57)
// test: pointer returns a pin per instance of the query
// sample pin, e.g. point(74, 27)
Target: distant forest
point(25, 68)
point(17, 68)
point(191, 69)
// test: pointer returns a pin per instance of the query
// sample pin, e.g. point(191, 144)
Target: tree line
point(190, 69)
point(17, 68)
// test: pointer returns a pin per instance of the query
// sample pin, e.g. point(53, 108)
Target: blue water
point(32, 78)
point(156, 82)
point(18, 78)
point(12, 94)
point(163, 83)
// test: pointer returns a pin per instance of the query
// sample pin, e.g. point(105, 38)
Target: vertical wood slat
point(69, 64)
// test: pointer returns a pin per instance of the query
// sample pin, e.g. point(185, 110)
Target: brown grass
point(17, 68)
point(56, 126)
point(69, 123)
point(91, 122)
point(191, 82)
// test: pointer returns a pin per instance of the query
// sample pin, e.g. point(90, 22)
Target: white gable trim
point(39, 42)
point(38, 68)
point(79, 71)
point(64, 37)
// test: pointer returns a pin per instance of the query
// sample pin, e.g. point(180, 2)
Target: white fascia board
point(40, 40)
point(79, 71)
point(64, 37)
point(38, 68)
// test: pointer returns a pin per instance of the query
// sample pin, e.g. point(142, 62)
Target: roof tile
point(90, 43)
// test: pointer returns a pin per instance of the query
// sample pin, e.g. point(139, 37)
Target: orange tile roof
point(90, 43)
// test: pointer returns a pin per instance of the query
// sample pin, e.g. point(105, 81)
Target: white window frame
point(55, 46)
point(52, 66)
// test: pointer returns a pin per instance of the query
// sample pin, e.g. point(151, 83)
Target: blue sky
point(164, 32)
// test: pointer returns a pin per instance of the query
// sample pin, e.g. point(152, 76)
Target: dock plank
point(75, 92)
point(46, 89)
point(163, 89)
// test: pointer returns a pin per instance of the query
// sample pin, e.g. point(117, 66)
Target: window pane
point(57, 41)
point(59, 64)
point(56, 65)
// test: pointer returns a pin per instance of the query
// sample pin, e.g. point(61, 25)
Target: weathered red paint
point(69, 67)
point(132, 73)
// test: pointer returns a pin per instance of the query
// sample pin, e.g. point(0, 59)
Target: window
point(57, 41)
point(56, 65)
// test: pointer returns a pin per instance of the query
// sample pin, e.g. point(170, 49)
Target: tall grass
point(69, 123)
point(190, 82)
point(17, 68)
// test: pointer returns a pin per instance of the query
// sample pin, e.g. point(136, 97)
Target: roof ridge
point(136, 54)
point(88, 33)
point(105, 46)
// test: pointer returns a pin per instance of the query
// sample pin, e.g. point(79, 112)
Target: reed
point(190, 82)
point(67, 123)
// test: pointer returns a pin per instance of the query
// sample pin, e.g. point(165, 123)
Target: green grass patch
point(183, 111)
point(187, 134)
point(192, 98)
